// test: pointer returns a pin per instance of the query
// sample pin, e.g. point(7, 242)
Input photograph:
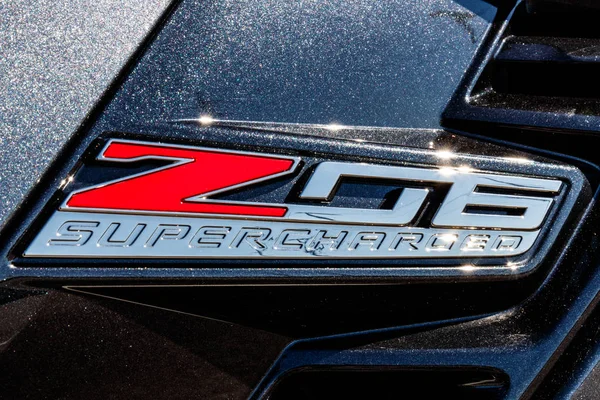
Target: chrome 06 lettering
point(467, 204)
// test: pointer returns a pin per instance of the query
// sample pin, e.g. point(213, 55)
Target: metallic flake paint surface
point(57, 59)
point(359, 62)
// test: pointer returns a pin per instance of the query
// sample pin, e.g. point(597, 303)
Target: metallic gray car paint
point(58, 58)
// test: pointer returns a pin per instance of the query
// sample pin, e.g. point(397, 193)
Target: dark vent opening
point(545, 58)
point(547, 77)
point(373, 383)
point(561, 6)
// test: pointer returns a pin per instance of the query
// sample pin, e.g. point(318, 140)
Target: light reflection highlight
point(334, 127)
point(447, 171)
point(519, 160)
point(513, 266)
point(445, 154)
point(206, 120)
point(467, 268)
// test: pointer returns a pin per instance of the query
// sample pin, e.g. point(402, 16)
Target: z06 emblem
point(204, 203)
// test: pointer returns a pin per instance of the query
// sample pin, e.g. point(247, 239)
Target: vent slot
point(561, 5)
point(547, 61)
point(373, 383)
point(541, 66)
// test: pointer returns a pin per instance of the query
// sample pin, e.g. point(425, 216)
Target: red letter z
point(182, 187)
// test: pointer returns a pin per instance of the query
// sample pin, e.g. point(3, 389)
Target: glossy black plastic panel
point(382, 383)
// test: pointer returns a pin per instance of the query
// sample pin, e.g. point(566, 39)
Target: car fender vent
point(547, 61)
point(548, 66)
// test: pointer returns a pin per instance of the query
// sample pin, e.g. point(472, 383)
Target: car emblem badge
point(201, 203)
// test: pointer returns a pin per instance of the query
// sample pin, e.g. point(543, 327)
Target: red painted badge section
point(194, 173)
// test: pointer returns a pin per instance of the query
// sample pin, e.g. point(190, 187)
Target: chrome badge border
point(361, 267)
